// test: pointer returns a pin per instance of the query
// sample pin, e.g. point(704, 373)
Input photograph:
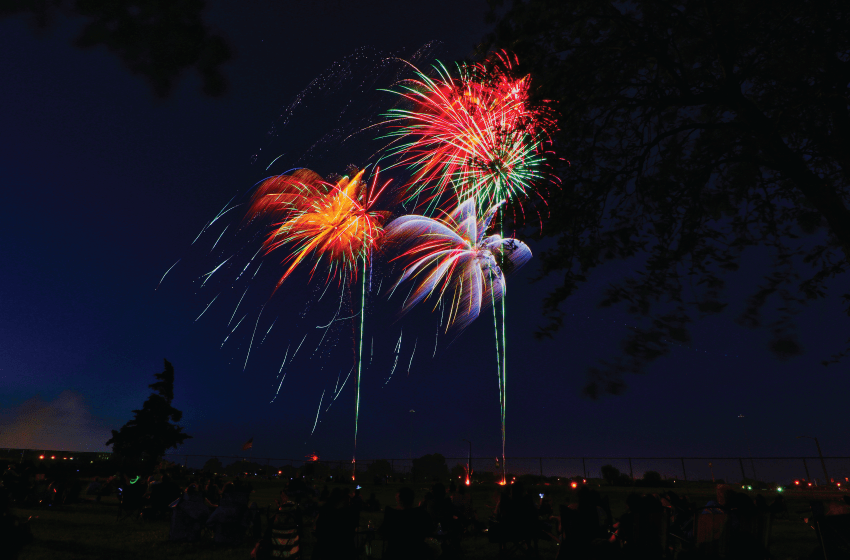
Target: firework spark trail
point(237, 307)
point(256, 271)
point(336, 385)
point(268, 331)
point(299, 347)
point(213, 271)
point(219, 238)
point(317, 413)
point(249, 264)
point(411, 355)
point(343, 383)
point(166, 273)
point(501, 386)
point(283, 363)
point(436, 339)
point(207, 307)
point(274, 160)
point(327, 285)
point(252, 338)
point(234, 328)
point(504, 369)
point(333, 320)
point(337, 393)
point(396, 352)
point(221, 213)
point(359, 365)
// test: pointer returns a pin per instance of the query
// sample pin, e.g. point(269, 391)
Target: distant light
point(810, 484)
point(780, 489)
point(574, 484)
point(797, 482)
point(749, 487)
point(53, 456)
point(41, 456)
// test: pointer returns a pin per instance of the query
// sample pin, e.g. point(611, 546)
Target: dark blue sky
point(104, 187)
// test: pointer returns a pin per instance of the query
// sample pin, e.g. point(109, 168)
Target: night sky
point(104, 187)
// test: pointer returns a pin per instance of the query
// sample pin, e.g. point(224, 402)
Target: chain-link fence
point(781, 470)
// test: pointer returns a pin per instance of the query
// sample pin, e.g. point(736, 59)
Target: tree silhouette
point(145, 438)
point(694, 130)
point(157, 39)
point(213, 465)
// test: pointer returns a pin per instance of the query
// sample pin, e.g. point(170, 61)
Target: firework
point(453, 259)
point(334, 222)
point(477, 135)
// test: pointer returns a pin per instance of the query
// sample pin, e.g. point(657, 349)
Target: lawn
point(90, 530)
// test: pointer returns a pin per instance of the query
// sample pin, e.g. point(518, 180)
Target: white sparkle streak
point(234, 328)
point(219, 237)
point(208, 306)
point(210, 273)
point(317, 413)
point(411, 355)
point(396, 352)
point(164, 275)
point(299, 346)
point(245, 365)
point(268, 331)
point(237, 307)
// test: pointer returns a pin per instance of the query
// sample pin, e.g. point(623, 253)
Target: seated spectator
point(779, 507)
point(188, 516)
point(405, 529)
point(160, 496)
point(462, 502)
point(372, 504)
point(335, 528)
point(93, 489)
point(439, 506)
point(231, 518)
point(14, 533)
point(357, 504)
point(212, 495)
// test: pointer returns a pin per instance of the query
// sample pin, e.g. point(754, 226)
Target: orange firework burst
point(336, 222)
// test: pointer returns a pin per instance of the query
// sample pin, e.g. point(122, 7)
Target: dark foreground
point(90, 530)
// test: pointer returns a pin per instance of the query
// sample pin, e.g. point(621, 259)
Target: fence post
point(806, 466)
point(541, 466)
point(631, 472)
point(743, 474)
point(684, 472)
point(584, 467)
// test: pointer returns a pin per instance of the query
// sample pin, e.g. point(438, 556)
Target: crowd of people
point(731, 523)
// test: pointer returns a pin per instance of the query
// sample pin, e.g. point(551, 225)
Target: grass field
point(91, 531)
